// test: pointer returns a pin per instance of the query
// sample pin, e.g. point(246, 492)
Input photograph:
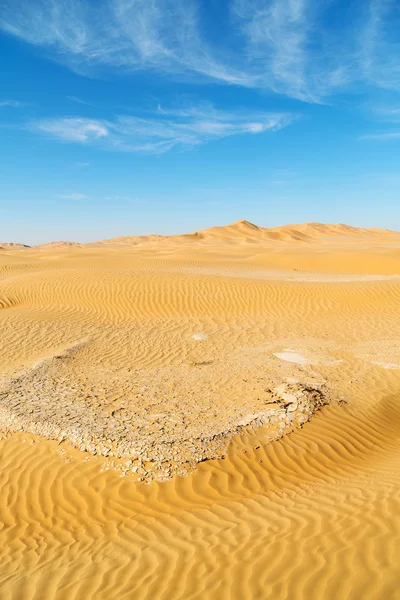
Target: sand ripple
point(311, 515)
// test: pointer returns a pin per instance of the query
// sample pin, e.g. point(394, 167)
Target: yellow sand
point(190, 331)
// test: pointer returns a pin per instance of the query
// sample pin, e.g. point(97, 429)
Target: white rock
point(289, 398)
point(199, 337)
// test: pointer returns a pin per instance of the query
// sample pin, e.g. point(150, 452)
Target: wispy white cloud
point(72, 129)
point(388, 114)
point(163, 130)
point(385, 136)
point(389, 117)
point(161, 35)
point(79, 101)
point(277, 35)
point(380, 44)
point(12, 103)
point(280, 45)
point(73, 196)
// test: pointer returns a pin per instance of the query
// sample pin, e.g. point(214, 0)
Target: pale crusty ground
point(159, 351)
point(165, 420)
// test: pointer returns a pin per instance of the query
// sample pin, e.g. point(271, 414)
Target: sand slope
point(186, 338)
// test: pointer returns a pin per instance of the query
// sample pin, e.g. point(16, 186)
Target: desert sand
point(212, 415)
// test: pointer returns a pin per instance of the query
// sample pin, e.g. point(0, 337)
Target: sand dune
point(12, 246)
point(242, 231)
point(58, 244)
point(223, 409)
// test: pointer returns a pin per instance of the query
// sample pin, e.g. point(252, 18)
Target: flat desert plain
point(210, 416)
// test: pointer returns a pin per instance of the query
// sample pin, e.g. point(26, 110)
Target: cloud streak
point(12, 103)
point(73, 196)
point(72, 129)
point(382, 137)
point(380, 44)
point(79, 101)
point(279, 45)
point(182, 128)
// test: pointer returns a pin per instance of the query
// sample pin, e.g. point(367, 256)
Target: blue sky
point(124, 117)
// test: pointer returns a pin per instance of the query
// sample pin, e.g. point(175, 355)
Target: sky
point(126, 117)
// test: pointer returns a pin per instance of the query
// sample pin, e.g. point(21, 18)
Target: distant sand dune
point(244, 231)
point(239, 232)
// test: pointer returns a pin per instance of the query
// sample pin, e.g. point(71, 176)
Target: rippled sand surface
point(178, 344)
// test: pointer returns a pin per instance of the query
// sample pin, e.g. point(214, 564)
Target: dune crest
point(58, 244)
point(12, 246)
